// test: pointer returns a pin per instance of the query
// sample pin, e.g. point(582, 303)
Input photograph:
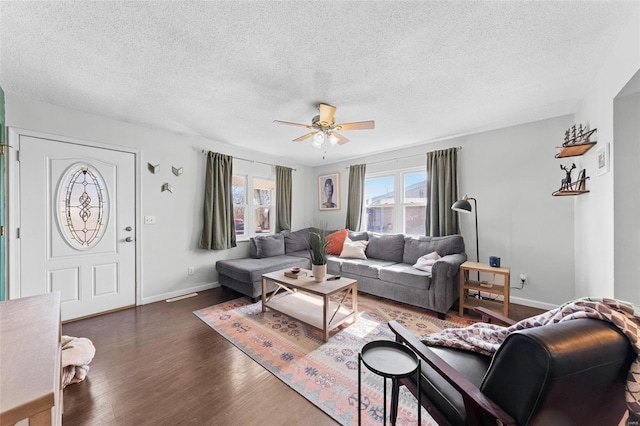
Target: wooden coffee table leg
point(354, 298)
point(325, 318)
point(264, 295)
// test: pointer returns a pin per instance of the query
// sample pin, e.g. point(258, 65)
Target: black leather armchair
point(570, 373)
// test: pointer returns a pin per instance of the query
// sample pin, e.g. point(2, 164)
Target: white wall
point(627, 197)
point(512, 173)
point(594, 212)
point(170, 247)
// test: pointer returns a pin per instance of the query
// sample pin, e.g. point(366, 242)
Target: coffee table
point(310, 302)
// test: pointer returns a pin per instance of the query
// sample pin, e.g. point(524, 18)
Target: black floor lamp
point(464, 206)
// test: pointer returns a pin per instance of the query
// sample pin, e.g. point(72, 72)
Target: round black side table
point(391, 360)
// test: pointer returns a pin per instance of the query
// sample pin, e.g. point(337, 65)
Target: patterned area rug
point(326, 373)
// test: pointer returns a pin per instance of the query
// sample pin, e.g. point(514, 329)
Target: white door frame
point(13, 194)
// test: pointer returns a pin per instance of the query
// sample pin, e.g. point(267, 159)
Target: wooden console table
point(30, 332)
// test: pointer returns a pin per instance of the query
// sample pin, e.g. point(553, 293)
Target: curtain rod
point(459, 148)
point(204, 151)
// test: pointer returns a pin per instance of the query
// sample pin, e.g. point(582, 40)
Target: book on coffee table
point(290, 274)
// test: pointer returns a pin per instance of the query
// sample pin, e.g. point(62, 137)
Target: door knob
point(128, 239)
point(128, 228)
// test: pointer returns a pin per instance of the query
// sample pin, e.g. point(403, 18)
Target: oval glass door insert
point(83, 211)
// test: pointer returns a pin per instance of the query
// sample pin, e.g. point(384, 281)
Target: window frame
point(250, 207)
point(399, 203)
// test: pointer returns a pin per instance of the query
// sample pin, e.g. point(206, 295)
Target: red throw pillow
point(335, 241)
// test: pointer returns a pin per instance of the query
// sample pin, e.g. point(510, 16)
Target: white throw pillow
point(354, 249)
point(425, 262)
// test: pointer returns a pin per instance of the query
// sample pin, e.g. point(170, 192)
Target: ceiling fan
point(325, 129)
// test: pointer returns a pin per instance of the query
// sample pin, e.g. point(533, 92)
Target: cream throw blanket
point(77, 353)
point(486, 338)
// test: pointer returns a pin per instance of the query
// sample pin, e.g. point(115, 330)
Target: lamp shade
point(462, 206)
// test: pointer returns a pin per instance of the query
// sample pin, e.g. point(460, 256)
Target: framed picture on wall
point(329, 191)
point(602, 159)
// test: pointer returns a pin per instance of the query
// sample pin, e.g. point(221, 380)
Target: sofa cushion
point(269, 245)
point(354, 249)
point(335, 241)
point(301, 253)
point(367, 268)
point(416, 247)
point(358, 236)
point(253, 250)
point(296, 240)
point(386, 247)
point(249, 270)
point(334, 264)
point(406, 275)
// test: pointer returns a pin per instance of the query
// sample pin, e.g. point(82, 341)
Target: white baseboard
point(177, 293)
point(533, 303)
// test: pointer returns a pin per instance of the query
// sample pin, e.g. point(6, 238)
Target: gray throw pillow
point(269, 245)
point(386, 247)
point(297, 240)
point(359, 236)
point(415, 247)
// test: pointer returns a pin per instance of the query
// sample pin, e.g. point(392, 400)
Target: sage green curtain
point(283, 198)
point(442, 192)
point(357, 174)
point(218, 231)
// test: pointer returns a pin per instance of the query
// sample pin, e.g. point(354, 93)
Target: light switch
point(149, 220)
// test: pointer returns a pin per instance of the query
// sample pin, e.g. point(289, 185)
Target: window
point(239, 195)
point(396, 202)
point(263, 191)
point(253, 215)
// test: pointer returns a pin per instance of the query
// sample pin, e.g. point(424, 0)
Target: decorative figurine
point(580, 133)
point(566, 182)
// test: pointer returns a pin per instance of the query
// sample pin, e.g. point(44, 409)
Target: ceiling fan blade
point(303, 137)
point(326, 114)
point(288, 123)
point(341, 139)
point(358, 125)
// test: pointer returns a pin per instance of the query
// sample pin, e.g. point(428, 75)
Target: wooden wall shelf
point(575, 150)
point(562, 193)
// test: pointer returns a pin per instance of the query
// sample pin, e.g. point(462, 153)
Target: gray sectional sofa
point(387, 272)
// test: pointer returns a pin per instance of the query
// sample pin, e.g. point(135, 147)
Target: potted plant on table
point(318, 252)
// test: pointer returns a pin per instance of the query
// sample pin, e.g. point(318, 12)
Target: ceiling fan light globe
point(333, 140)
point(318, 140)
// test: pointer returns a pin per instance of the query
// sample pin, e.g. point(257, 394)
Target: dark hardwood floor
point(159, 364)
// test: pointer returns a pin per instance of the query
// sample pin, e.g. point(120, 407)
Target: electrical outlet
point(149, 220)
point(191, 270)
point(523, 278)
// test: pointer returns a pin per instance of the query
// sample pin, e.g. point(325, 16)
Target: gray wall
point(512, 173)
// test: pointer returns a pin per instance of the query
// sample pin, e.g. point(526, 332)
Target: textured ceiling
point(225, 70)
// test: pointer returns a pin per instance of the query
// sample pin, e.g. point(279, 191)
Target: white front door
point(77, 218)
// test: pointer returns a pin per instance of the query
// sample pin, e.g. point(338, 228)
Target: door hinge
point(18, 233)
point(17, 155)
point(1, 231)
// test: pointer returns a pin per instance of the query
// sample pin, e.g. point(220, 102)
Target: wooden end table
point(492, 288)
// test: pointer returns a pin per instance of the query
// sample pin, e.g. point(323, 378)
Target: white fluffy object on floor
point(77, 353)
